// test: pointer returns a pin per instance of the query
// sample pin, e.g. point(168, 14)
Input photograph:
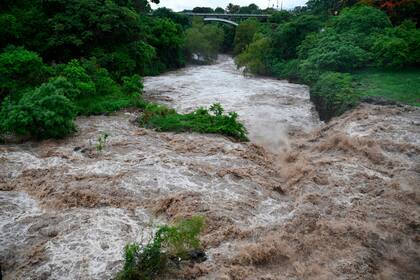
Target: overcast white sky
point(179, 5)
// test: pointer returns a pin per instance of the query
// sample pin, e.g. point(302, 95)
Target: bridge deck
point(227, 15)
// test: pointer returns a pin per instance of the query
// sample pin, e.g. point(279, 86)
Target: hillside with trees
point(328, 45)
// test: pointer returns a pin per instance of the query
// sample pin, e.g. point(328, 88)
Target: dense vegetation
point(326, 44)
point(60, 59)
point(203, 42)
point(169, 246)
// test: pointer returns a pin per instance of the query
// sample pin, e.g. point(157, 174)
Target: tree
point(175, 17)
point(205, 10)
point(250, 9)
point(219, 10)
point(203, 41)
point(328, 7)
point(255, 56)
point(361, 19)
point(19, 69)
point(244, 34)
point(288, 36)
point(232, 9)
point(397, 10)
point(280, 17)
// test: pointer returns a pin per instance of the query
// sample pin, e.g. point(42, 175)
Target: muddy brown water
point(269, 108)
point(310, 201)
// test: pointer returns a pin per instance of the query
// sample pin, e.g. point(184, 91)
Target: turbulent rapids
point(302, 200)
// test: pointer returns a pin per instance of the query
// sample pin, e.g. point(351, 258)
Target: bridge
point(226, 18)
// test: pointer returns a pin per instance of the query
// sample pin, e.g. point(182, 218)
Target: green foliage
point(132, 85)
point(167, 38)
point(397, 47)
point(78, 77)
point(175, 17)
point(169, 244)
point(19, 69)
point(217, 109)
point(98, 105)
point(305, 45)
point(333, 94)
point(100, 145)
point(287, 69)
point(361, 20)
point(104, 83)
point(123, 40)
point(42, 113)
point(328, 7)
point(244, 35)
point(287, 37)
point(97, 48)
point(280, 17)
point(390, 52)
point(204, 41)
point(162, 118)
point(255, 55)
point(335, 52)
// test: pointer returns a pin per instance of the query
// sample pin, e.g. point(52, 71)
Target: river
point(269, 108)
point(302, 200)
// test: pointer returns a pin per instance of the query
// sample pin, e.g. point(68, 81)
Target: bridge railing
point(226, 15)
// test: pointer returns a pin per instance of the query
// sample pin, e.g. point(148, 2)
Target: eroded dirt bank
point(340, 201)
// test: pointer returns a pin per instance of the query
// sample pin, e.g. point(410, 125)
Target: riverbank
point(312, 201)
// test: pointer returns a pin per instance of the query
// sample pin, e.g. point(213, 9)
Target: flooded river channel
point(302, 200)
point(270, 108)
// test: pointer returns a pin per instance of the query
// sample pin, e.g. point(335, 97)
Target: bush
point(132, 85)
point(286, 69)
point(397, 47)
point(20, 68)
point(333, 94)
point(361, 20)
point(42, 113)
point(390, 52)
point(308, 72)
point(170, 244)
point(337, 52)
point(104, 84)
point(202, 120)
point(77, 75)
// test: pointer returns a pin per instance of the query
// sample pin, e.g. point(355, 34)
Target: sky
point(179, 5)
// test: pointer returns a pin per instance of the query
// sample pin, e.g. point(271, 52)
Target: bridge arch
point(220, 20)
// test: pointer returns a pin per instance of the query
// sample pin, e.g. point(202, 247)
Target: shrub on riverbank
point(169, 246)
point(202, 120)
point(333, 94)
point(41, 113)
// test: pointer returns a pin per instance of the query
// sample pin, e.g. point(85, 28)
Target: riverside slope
point(315, 201)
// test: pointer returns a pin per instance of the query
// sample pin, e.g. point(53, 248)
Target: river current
point(271, 109)
point(310, 201)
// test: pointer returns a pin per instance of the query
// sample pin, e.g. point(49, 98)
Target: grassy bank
point(398, 85)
